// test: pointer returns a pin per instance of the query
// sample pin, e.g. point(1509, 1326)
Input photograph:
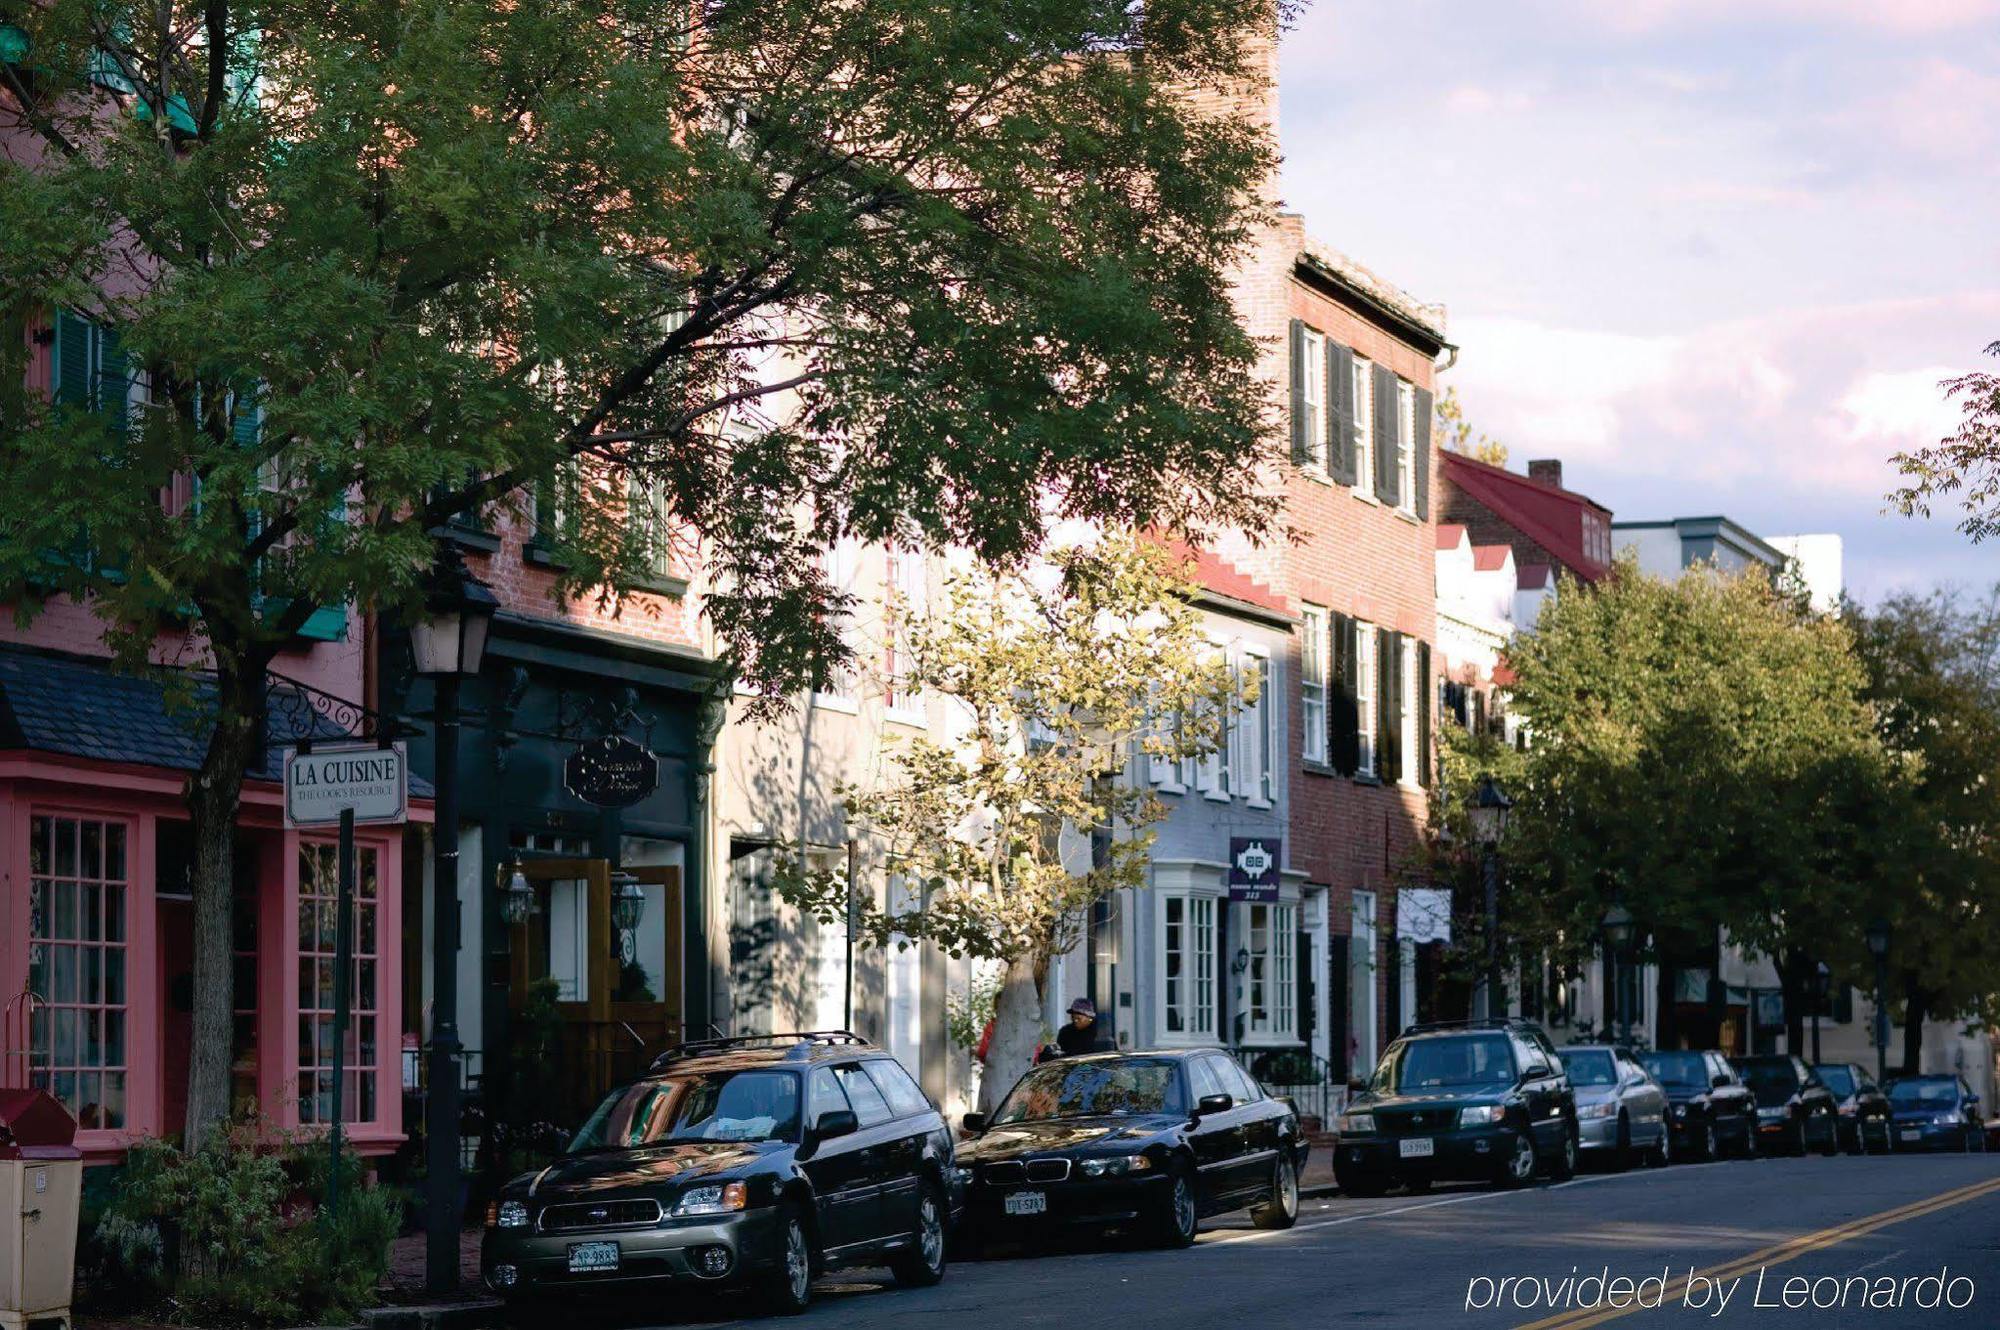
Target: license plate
point(588, 1256)
point(1027, 1203)
point(1911, 1135)
point(1420, 1147)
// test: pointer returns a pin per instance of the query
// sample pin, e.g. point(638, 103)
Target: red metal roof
point(1551, 517)
point(1490, 558)
point(1449, 535)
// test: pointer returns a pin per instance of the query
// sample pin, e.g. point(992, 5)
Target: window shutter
point(1340, 414)
point(1420, 454)
point(1302, 443)
point(73, 369)
point(246, 419)
point(114, 383)
point(1337, 982)
point(1426, 703)
point(1386, 413)
point(1344, 713)
point(1389, 706)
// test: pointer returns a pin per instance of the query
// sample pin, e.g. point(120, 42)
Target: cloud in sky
point(1714, 255)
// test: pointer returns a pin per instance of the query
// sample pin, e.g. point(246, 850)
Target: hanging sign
point(612, 772)
point(1253, 867)
point(374, 782)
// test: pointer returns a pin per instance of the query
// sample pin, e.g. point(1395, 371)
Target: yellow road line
point(1776, 1254)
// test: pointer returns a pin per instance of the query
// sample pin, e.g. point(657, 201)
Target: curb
point(1319, 1191)
point(442, 1316)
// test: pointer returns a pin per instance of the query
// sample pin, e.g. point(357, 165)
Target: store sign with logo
point(1253, 867)
point(374, 782)
point(611, 772)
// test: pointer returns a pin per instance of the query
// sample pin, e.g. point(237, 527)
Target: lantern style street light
point(448, 644)
point(517, 894)
point(1877, 938)
point(1822, 977)
point(1618, 928)
point(628, 902)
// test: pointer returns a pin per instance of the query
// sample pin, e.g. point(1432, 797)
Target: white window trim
point(911, 585)
point(1406, 448)
point(1260, 739)
point(1367, 699)
point(1314, 641)
point(1363, 424)
point(1366, 1047)
point(1411, 777)
point(1282, 997)
point(1188, 1038)
point(844, 561)
point(1164, 769)
point(1212, 770)
point(1313, 381)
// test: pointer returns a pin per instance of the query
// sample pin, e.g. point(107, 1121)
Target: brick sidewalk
point(404, 1282)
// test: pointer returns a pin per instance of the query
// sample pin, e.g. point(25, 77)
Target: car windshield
point(1590, 1067)
point(1840, 1080)
point(717, 1106)
point(1923, 1092)
point(1429, 1064)
point(1088, 1089)
point(1681, 1069)
point(1770, 1082)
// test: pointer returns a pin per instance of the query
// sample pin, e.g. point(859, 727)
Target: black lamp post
point(1489, 808)
point(1878, 947)
point(1618, 930)
point(1822, 973)
point(447, 643)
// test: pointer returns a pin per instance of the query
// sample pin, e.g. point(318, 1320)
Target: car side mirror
point(974, 1122)
point(1718, 1081)
point(836, 1122)
point(1213, 1103)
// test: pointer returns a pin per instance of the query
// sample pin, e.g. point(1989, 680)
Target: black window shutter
point(1420, 456)
point(1344, 716)
point(1340, 414)
point(1426, 704)
point(1302, 442)
point(1389, 705)
point(1338, 983)
point(1385, 436)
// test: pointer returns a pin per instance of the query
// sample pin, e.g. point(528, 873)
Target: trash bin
point(41, 1186)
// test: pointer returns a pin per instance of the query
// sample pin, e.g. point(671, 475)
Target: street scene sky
point(1714, 254)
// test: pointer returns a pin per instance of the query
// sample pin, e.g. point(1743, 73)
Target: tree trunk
point(1916, 1009)
point(1017, 1031)
point(214, 795)
point(1791, 979)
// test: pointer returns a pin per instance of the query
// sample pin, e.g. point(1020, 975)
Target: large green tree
point(945, 271)
point(1702, 754)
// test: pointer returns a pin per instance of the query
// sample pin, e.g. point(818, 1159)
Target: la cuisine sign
point(320, 785)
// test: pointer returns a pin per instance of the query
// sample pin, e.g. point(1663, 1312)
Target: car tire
point(1282, 1210)
point(1621, 1153)
point(1178, 1221)
point(789, 1291)
point(1831, 1145)
point(1662, 1152)
point(1796, 1144)
point(1517, 1169)
point(1564, 1167)
point(922, 1263)
point(1710, 1148)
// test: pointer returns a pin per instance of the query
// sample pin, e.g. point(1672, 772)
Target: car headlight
point(507, 1214)
point(1680, 1110)
point(1112, 1166)
point(962, 1176)
point(1357, 1122)
point(1604, 1110)
point(1946, 1119)
point(716, 1199)
point(1477, 1115)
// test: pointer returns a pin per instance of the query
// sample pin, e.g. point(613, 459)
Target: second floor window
point(903, 605)
point(1367, 697)
point(1362, 394)
point(1406, 447)
point(1312, 683)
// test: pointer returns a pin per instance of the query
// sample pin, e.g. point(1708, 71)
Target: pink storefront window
point(77, 887)
point(319, 888)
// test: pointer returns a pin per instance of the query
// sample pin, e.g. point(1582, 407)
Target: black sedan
point(1935, 1113)
point(1795, 1112)
point(1863, 1108)
point(1152, 1141)
point(1710, 1109)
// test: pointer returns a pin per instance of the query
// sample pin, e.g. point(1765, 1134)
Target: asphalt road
point(1848, 1230)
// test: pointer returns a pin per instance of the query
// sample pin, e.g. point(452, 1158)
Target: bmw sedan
point(1711, 1110)
point(1147, 1141)
point(1935, 1113)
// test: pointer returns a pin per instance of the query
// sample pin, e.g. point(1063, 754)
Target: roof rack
point(802, 1041)
point(1482, 1023)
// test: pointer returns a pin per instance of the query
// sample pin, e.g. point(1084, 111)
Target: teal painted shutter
point(114, 383)
point(1302, 444)
point(1426, 705)
point(1340, 413)
point(1420, 450)
point(1389, 658)
point(1344, 709)
point(73, 370)
point(1386, 411)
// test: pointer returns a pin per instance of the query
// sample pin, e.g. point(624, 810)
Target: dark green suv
point(1458, 1102)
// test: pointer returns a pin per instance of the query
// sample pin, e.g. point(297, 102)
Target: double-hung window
point(1367, 697)
point(1312, 683)
point(78, 880)
point(1271, 982)
point(903, 605)
point(1187, 951)
point(1413, 756)
point(1312, 395)
point(1213, 770)
point(1259, 745)
point(1406, 447)
point(838, 689)
point(1362, 394)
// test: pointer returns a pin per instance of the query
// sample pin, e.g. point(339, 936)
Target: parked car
point(1710, 1109)
point(1795, 1113)
point(1148, 1140)
point(1620, 1108)
point(755, 1161)
point(1460, 1101)
point(1935, 1113)
point(1863, 1108)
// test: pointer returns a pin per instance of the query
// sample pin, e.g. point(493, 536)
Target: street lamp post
point(1489, 809)
point(1878, 947)
point(1822, 973)
point(1618, 929)
point(447, 643)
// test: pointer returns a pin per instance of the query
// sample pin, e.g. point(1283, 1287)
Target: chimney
point(1547, 471)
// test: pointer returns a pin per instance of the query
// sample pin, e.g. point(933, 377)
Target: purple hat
point(1083, 1007)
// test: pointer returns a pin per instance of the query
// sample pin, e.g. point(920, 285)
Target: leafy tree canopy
point(1963, 467)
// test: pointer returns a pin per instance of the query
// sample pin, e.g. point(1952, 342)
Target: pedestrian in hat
point(1080, 1035)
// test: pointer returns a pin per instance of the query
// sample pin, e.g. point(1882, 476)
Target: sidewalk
point(1317, 1178)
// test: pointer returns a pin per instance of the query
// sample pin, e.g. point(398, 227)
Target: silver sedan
point(1621, 1110)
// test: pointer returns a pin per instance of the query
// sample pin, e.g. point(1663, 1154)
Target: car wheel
point(1621, 1153)
point(1518, 1168)
point(1177, 1223)
point(1663, 1149)
point(1282, 1210)
point(921, 1264)
point(1830, 1144)
point(790, 1290)
point(1708, 1148)
point(1797, 1144)
point(1565, 1166)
